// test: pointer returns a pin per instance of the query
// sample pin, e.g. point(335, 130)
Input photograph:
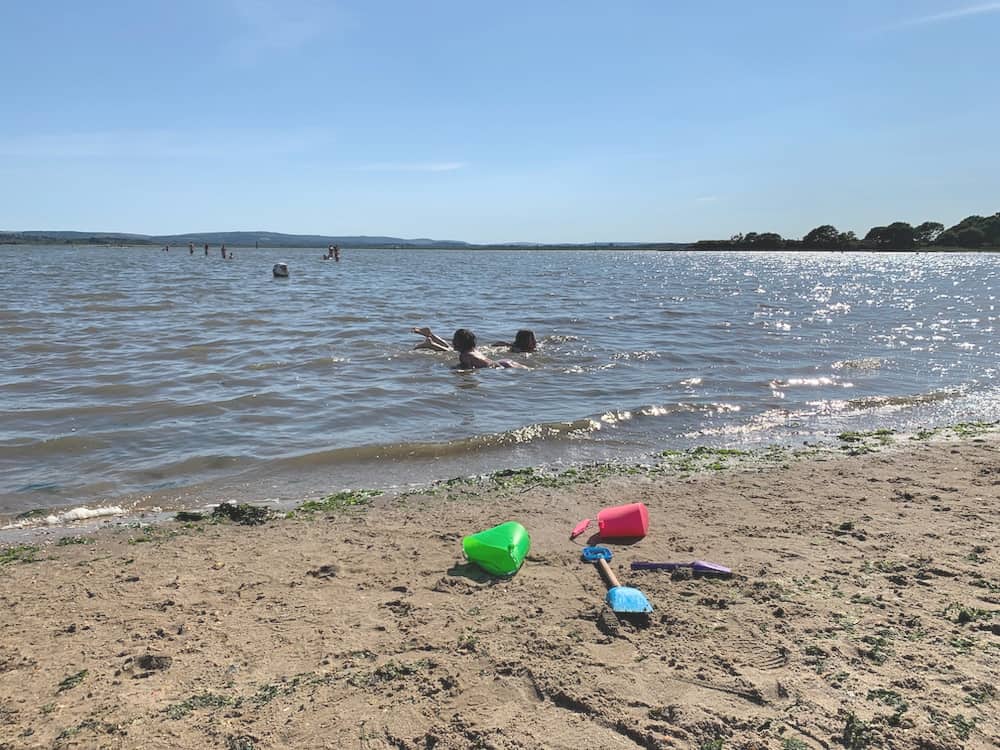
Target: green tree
point(767, 241)
point(989, 226)
point(926, 233)
point(971, 237)
point(948, 238)
point(896, 236)
point(825, 236)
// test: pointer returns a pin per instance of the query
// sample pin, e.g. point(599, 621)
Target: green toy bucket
point(499, 550)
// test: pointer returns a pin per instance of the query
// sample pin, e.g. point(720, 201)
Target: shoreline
point(863, 609)
point(60, 520)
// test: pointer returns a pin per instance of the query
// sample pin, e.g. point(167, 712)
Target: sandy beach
point(862, 613)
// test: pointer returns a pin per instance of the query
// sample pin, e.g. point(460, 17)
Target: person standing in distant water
point(206, 249)
point(190, 248)
point(329, 253)
point(223, 249)
point(336, 253)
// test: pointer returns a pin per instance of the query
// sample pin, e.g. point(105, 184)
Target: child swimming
point(464, 342)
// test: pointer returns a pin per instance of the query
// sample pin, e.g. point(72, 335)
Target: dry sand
point(863, 613)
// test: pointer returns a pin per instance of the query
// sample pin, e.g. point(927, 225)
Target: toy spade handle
point(658, 565)
point(608, 574)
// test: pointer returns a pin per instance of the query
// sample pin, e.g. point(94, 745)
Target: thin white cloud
point(707, 198)
point(441, 166)
point(950, 15)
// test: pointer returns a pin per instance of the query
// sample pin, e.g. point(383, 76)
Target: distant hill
point(279, 239)
point(236, 239)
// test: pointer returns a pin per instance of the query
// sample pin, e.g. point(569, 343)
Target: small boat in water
point(280, 270)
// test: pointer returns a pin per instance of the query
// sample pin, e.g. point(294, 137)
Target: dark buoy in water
point(280, 270)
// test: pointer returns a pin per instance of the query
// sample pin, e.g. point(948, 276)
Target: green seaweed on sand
point(981, 693)
point(388, 672)
point(703, 458)
point(202, 700)
point(93, 725)
point(963, 727)
point(72, 681)
point(146, 536)
point(523, 479)
point(241, 742)
point(889, 698)
point(977, 554)
point(271, 690)
point(959, 429)
point(961, 644)
point(669, 462)
point(962, 615)
point(857, 735)
point(244, 514)
point(339, 501)
point(859, 443)
point(24, 553)
point(68, 540)
point(879, 648)
point(973, 429)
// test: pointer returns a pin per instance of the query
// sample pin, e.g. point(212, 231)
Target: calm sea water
point(137, 376)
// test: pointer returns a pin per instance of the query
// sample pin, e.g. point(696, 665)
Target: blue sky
point(566, 121)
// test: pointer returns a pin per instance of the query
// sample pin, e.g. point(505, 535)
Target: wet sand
point(862, 613)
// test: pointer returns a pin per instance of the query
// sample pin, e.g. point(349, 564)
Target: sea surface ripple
point(139, 376)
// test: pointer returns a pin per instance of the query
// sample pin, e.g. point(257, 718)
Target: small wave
point(806, 382)
point(82, 513)
point(874, 402)
point(640, 356)
point(531, 433)
point(193, 466)
point(276, 364)
point(519, 435)
point(125, 309)
point(865, 363)
point(66, 445)
point(615, 417)
point(560, 339)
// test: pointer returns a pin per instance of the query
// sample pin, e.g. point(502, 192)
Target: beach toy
point(620, 598)
point(620, 522)
point(499, 550)
point(698, 567)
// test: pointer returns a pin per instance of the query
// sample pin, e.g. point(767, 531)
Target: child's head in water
point(524, 340)
point(463, 340)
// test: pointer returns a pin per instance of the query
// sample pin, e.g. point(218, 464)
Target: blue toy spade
point(621, 599)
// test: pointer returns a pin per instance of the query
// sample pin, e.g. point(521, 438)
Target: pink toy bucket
point(620, 522)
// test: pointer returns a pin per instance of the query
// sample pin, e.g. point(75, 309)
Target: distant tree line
point(972, 232)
